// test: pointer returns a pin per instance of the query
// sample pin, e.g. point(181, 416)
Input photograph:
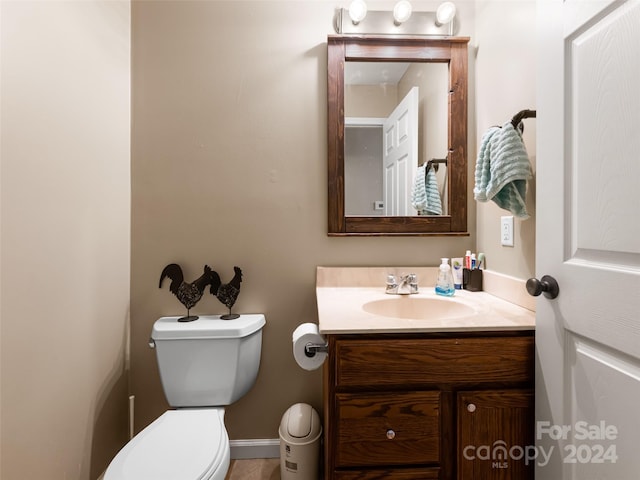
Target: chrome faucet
point(407, 284)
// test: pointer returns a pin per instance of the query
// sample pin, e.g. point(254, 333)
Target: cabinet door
point(495, 434)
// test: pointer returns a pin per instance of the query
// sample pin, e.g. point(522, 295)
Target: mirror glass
point(383, 90)
point(377, 96)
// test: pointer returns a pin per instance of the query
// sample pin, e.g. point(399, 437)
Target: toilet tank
point(210, 361)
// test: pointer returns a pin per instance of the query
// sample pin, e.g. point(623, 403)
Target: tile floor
point(255, 469)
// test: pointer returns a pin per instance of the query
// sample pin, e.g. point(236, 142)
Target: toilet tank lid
point(207, 326)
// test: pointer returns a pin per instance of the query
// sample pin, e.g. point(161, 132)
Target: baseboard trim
point(255, 448)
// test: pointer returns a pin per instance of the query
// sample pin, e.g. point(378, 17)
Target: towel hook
point(434, 162)
point(521, 115)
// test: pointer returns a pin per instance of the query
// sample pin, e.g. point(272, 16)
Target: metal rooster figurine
point(227, 293)
point(188, 293)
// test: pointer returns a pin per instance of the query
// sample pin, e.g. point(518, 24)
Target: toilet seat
point(185, 444)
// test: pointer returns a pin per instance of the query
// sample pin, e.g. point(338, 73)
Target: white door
point(588, 239)
point(400, 155)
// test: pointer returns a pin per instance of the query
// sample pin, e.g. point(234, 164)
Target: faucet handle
point(412, 280)
point(392, 284)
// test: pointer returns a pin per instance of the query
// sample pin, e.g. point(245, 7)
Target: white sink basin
point(419, 308)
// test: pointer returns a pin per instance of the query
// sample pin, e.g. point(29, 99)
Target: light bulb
point(401, 12)
point(445, 13)
point(357, 11)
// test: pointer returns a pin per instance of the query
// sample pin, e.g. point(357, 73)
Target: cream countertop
point(342, 292)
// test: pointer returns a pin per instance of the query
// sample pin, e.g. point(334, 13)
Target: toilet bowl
point(203, 365)
point(187, 444)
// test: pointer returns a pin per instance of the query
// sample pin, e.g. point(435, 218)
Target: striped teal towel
point(425, 197)
point(502, 170)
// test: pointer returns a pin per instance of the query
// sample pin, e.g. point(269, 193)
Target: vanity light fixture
point(401, 12)
point(445, 13)
point(358, 19)
point(357, 11)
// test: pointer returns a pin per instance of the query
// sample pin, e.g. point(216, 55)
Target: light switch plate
point(506, 231)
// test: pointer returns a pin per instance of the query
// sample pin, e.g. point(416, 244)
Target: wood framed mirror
point(450, 51)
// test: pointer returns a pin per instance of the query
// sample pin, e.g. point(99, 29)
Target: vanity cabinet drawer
point(435, 361)
point(386, 474)
point(376, 429)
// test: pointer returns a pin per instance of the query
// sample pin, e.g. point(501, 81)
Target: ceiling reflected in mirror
point(374, 73)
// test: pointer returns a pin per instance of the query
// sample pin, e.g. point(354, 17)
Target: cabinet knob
point(391, 434)
point(471, 408)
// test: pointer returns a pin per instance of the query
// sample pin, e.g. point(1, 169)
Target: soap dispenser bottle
point(444, 284)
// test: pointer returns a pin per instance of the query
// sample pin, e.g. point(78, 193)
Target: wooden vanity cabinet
point(419, 406)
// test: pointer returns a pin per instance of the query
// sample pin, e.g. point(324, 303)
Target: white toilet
point(204, 365)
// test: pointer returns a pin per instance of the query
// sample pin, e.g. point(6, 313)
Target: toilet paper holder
point(310, 349)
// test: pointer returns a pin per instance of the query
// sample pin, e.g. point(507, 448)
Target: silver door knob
point(471, 408)
point(391, 434)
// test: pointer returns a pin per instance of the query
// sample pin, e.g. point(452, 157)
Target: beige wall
point(229, 168)
point(433, 80)
point(505, 84)
point(65, 236)
point(370, 100)
point(433, 114)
